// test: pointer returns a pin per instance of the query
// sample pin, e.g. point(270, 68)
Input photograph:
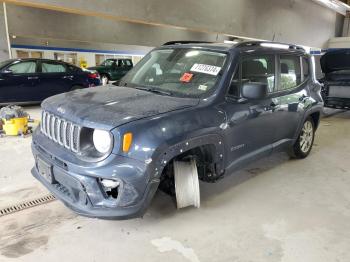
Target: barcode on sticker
point(206, 69)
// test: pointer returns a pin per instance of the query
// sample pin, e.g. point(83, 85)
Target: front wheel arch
point(211, 146)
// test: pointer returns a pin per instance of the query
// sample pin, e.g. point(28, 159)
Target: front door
point(251, 124)
point(18, 82)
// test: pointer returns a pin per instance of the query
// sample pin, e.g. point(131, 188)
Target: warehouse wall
point(3, 40)
point(297, 21)
point(45, 27)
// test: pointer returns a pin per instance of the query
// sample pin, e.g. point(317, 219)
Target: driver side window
point(259, 69)
point(254, 69)
point(27, 67)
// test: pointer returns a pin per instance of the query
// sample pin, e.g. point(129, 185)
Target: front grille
point(61, 131)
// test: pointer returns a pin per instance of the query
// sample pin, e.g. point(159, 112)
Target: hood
point(111, 106)
point(335, 61)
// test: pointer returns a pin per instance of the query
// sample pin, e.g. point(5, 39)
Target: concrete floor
point(274, 210)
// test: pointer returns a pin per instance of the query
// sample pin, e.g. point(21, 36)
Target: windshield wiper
point(153, 90)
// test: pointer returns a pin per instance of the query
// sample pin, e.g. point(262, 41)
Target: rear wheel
point(305, 141)
point(104, 80)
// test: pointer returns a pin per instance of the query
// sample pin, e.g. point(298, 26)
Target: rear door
point(19, 82)
point(292, 91)
point(54, 79)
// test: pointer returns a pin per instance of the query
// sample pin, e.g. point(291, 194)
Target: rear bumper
point(336, 102)
point(83, 193)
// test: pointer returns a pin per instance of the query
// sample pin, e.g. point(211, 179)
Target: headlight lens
point(102, 140)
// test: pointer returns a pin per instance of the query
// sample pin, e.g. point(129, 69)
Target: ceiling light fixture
point(335, 5)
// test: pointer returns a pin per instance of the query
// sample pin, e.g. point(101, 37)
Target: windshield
point(4, 63)
point(179, 72)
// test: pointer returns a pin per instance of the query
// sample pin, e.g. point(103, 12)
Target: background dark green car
point(113, 69)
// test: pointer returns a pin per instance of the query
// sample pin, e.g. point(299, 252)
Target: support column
point(4, 45)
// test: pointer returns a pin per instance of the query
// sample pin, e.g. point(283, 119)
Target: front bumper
point(78, 187)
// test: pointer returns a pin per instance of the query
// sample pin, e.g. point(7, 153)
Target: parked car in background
point(203, 112)
point(113, 69)
point(336, 83)
point(24, 81)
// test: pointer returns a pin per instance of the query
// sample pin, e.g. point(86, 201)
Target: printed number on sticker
point(206, 69)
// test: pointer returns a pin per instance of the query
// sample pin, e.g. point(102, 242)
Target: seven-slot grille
point(61, 131)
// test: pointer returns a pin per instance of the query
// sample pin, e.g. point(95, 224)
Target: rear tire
point(305, 141)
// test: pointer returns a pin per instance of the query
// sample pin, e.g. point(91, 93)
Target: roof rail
point(271, 44)
point(186, 42)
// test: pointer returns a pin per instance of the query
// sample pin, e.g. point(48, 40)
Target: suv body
point(225, 105)
point(336, 83)
point(113, 69)
point(33, 80)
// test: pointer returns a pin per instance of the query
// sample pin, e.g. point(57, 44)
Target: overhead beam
point(78, 11)
point(251, 19)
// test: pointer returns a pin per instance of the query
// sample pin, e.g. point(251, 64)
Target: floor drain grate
point(27, 204)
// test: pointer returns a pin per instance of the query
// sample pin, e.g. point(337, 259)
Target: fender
point(313, 109)
point(166, 153)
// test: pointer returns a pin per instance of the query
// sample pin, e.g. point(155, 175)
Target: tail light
point(93, 75)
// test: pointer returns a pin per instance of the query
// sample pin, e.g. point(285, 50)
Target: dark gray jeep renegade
point(186, 112)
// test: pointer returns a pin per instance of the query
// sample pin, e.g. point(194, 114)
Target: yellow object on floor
point(15, 126)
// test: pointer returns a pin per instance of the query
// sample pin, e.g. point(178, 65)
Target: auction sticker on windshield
point(206, 69)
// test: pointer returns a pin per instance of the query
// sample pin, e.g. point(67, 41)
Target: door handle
point(68, 77)
point(302, 98)
point(273, 104)
point(33, 77)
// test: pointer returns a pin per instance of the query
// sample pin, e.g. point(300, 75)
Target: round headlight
point(102, 141)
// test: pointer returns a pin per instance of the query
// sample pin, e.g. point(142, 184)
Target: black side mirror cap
point(7, 72)
point(254, 90)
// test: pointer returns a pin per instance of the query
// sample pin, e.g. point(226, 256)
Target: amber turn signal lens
point(127, 141)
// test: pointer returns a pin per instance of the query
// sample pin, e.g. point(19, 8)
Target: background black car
point(33, 80)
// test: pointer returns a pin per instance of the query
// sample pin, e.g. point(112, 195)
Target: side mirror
point(7, 72)
point(254, 91)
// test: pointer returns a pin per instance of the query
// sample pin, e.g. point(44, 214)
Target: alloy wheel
point(306, 137)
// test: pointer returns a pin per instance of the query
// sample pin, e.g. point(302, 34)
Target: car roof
point(38, 59)
point(244, 46)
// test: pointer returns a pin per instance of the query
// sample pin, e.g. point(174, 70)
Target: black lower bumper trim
point(88, 210)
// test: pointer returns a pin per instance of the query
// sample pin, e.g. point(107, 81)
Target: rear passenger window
point(306, 68)
point(290, 72)
point(259, 69)
point(47, 67)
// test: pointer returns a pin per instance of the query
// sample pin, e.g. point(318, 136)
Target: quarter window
point(259, 69)
point(27, 67)
point(128, 62)
point(47, 67)
point(290, 72)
